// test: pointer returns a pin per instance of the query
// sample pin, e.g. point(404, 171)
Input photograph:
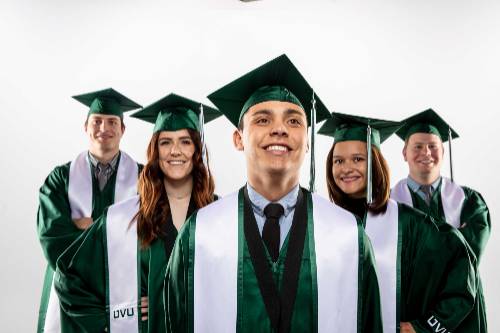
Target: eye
point(262, 121)
point(186, 142)
point(165, 142)
point(358, 159)
point(432, 146)
point(337, 161)
point(295, 122)
point(417, 147)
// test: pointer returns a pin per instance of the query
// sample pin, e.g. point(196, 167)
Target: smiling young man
point(76, 193)
point(440, 197)
point(271, 257)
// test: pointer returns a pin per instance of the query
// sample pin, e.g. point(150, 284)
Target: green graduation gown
point(85, 282)
point(211, 282)
point(466, 210)
point(56, 230)
point(424, 270)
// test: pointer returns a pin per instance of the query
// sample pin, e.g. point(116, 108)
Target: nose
point(103, 126)
point(279, 129)
point(427, 150)
point(175, 151)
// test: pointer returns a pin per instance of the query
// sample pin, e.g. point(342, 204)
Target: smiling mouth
point(278, 148)
point(176, 162)
point(426, 162)
point(349, 179)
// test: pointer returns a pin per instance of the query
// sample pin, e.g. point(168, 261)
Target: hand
point(406, 328)
point(144, 308)
point(83, 223)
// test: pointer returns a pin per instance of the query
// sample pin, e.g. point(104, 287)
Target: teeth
point(278, 148)
point(176, 162)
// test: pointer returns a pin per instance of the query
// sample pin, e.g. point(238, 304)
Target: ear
point(238, 140)
point(404, 153)
point(123, 128)
point(85, 125)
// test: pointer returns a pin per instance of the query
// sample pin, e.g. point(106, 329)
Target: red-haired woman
point(111, 278)
point(426, 279)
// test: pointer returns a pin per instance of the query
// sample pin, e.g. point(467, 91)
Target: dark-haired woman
point(111, 278)
point(425, 274)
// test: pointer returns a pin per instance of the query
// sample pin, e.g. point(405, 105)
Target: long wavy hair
point(153, 206)
point(381, 189)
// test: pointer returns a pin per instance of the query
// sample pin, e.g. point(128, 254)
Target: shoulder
point(219, 206)
point(326, 207)
point(58, 176)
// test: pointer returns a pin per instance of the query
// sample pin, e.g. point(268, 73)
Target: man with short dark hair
point(272, 257)
point(442, 198)
point(76, 193)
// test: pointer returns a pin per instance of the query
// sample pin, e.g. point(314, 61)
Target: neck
point(425, 179)
point(273, 187)
point(102, 156)
point(178, 188)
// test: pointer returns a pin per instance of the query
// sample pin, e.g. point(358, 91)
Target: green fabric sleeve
point(475, 222)
point(442, 278)
point(178, 281)
point(369, 310)
point(56, 230)
point(80, 282)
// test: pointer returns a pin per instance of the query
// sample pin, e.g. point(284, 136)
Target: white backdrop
point(384, 59)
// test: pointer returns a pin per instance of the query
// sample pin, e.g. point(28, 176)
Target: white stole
point(452, 197)
point(383, 231)
point(216, 266)
point(80, 201)
point(121, 264)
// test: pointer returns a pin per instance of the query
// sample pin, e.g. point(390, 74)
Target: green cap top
point(277, 80)
point(345, 127)
point(174, 112)
point(427, 121)
point(107, 102)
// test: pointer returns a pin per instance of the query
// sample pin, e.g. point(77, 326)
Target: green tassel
point(312, 169)
point(369, 198)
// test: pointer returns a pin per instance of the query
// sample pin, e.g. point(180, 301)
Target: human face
point(176, 150)
point(105, 132)
point(424, 154)
point(349, 167)
point(274, 139)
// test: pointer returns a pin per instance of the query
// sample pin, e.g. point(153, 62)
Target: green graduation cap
point(430, 122)
point(276, 80)
point(174, 112)
point(345, 127)
point(107, 102)
point(427, 121)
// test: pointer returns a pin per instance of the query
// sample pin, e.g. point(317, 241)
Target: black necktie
point(271, 231)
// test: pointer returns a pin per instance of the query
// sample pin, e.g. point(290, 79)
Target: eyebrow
point(288, 112)
point(356, 154)
point(181, 138)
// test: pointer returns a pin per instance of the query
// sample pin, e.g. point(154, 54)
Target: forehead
point(350, 147)
point(424, 138)
point(276, 108)
point(174, 134)
point(103, 117)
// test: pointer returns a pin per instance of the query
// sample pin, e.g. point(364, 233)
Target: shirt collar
point(111, 163)
point(289, 201)
point(415, 186)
